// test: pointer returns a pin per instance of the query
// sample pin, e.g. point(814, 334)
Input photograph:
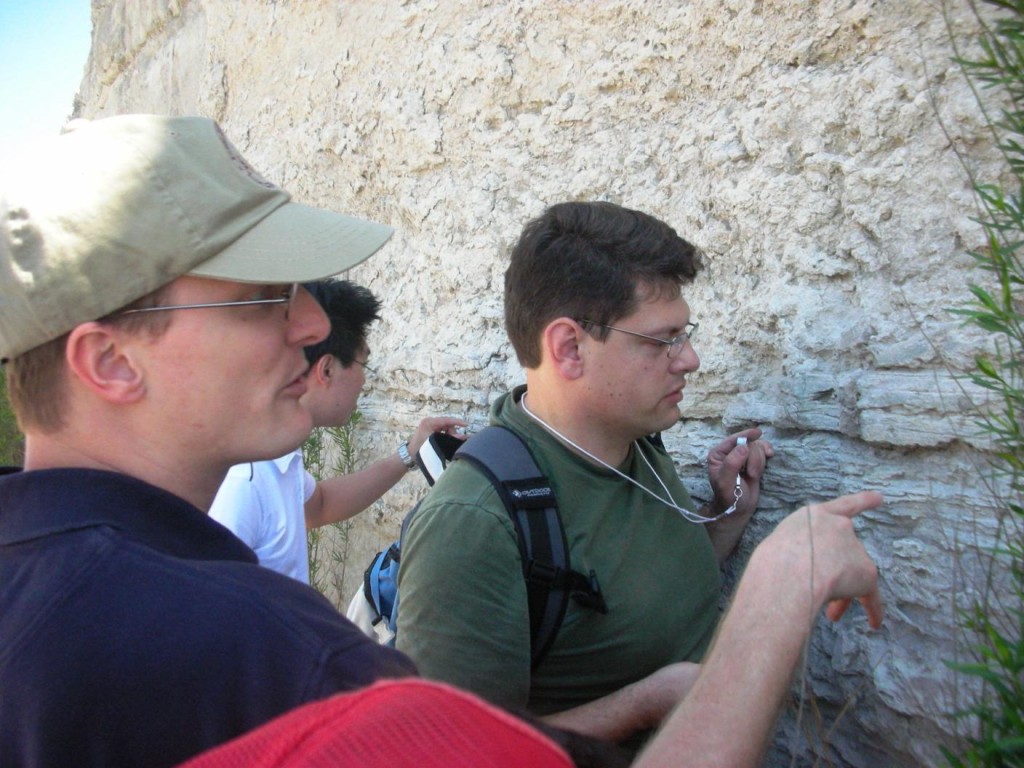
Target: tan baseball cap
point(113, 209)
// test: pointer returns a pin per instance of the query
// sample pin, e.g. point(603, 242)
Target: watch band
point(403, 454)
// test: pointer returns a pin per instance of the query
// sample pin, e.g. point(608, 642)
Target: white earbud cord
point(690, 515)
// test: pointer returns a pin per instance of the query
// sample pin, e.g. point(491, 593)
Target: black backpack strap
point(506, 461)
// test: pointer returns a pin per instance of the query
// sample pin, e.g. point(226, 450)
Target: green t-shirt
point(464, 616)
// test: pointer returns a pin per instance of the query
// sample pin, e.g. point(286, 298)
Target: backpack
point(506, 461)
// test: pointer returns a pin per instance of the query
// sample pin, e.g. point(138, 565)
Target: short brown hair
point(588, 260)
point(36, 380)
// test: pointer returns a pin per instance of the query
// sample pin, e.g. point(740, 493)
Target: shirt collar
point(52, 501)
point(282, 463)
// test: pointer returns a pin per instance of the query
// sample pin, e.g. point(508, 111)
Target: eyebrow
point(672, 331)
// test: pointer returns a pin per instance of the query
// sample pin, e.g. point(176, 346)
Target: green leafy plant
point(328, 452)
point(12, 442)
point(994, 622)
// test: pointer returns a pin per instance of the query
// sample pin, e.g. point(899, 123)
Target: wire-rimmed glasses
point(675, 344)
point(288, 294)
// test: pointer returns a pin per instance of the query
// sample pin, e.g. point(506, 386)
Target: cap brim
point(296, 243)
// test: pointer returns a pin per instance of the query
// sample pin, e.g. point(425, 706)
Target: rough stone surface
point(809, 147)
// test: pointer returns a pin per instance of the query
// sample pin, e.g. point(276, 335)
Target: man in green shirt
point(595, 311)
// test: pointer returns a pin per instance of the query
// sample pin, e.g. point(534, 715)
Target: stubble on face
point(637, 386)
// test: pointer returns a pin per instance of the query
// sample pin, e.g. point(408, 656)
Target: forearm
point(342, 497)
point(640, 706)
point(725, 533)
point(729, 713)
point(612, 718)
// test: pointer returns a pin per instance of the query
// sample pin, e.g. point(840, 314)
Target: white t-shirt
point(262, 502)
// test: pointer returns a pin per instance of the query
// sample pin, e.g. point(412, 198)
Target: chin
point(668, 421)
point(287, 436)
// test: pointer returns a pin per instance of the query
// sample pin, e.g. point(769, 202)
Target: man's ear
point(561, 346)
point(323, 369)
point(98, 358)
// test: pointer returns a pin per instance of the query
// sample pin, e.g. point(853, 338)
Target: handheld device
point(435, 453)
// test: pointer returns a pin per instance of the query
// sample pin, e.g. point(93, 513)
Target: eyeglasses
point(287, 297)
point(370, 372)
point(675, 344)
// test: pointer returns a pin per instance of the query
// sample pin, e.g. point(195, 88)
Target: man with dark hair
point(595, 312)
point(271, 504)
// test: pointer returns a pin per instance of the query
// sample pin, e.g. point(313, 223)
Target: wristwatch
point(403, 454)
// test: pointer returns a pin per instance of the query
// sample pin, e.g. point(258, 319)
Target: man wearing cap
point(153, 334)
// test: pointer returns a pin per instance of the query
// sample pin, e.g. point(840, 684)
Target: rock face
point(808, 147)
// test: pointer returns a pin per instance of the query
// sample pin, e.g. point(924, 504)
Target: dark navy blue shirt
point(136, 631)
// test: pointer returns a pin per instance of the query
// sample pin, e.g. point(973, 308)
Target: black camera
point(434, 455)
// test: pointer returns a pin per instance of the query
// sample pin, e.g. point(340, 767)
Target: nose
point(307, 322)
point(687, 361)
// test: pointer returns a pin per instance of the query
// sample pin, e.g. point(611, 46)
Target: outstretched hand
point(819, 539)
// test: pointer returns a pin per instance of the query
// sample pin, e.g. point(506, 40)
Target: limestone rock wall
point(806, 146)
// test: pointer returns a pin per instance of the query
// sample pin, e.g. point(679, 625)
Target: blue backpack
point(507, 463)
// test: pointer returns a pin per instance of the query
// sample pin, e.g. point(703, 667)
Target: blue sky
point(43, 48)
